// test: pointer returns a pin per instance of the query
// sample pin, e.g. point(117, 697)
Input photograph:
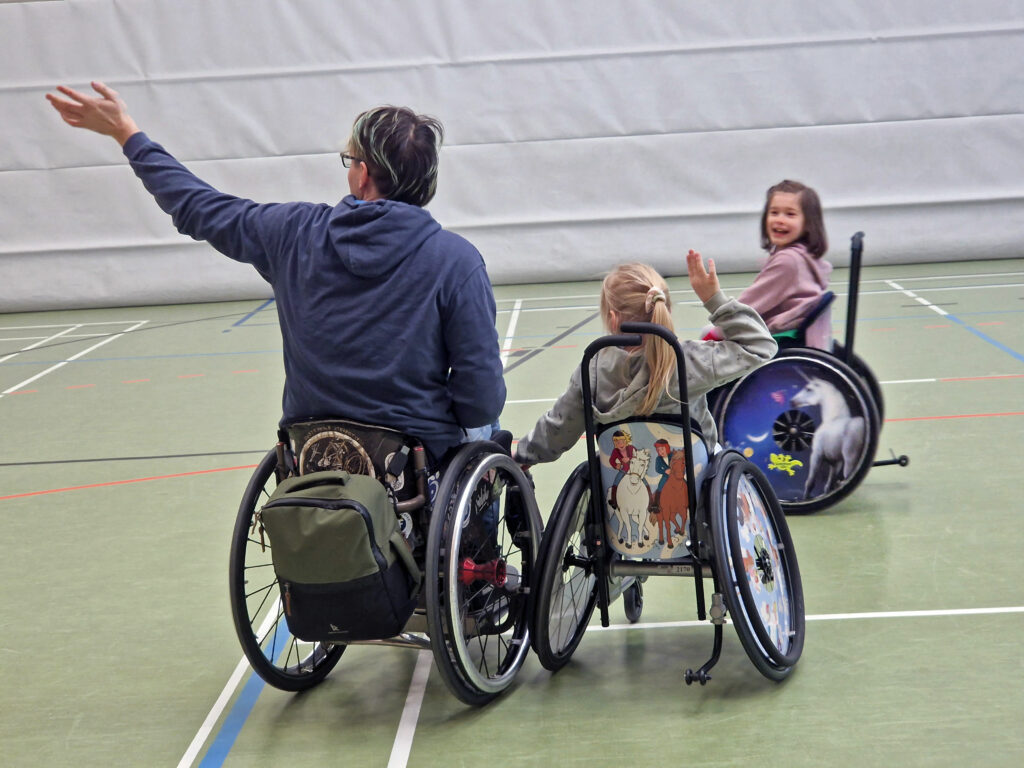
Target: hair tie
point(654, 295)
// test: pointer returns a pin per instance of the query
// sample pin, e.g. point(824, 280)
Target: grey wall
point(580, 134)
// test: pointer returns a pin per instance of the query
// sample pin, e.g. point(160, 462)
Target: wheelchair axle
point(493, 572)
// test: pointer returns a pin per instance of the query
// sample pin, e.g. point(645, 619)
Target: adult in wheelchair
point(471, 522)
point(715, 516)
point(810, 418)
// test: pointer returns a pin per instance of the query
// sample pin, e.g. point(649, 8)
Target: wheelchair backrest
point(816, 328)
point(645, 485)
point(357, 448)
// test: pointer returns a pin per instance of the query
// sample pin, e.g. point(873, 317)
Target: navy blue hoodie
point(386, 318)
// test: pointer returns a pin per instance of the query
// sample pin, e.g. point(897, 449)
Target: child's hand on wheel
point(704, 282)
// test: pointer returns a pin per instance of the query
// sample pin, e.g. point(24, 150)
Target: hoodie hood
point(622, 399)
point(373, 237)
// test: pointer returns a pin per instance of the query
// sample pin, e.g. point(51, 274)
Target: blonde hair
point(637, 293)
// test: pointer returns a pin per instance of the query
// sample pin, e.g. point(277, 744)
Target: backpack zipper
point(336, 504)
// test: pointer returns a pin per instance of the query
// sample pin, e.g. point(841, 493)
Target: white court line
point(41, 341)
point(62, 363)
point(839, 294)
point(66, 336)
point(888, 381)
point(64, 325)
point(917, 298)
point(877, 280)
point(510, 334)
point(225, 696)
point(411, 713)
point(832, 617)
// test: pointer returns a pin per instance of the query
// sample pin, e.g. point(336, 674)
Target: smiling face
point(784, 219)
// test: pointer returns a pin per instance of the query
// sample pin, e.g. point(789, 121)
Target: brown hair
point(626, 291)
point(400, 149)
point(813, 237)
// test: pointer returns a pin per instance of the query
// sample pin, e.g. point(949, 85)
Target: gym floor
point(130, 434)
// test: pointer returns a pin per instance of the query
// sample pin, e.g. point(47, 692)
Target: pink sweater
point(786, 289)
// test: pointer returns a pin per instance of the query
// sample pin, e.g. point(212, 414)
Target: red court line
point(980, 378)
point(125, 482)
point(958, 416)
point(80, 386)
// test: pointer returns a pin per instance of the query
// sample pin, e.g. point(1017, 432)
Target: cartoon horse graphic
point(673, 502)
point(838, 440)
point(633, 500)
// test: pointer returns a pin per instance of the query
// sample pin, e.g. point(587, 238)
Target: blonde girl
point(642, 380)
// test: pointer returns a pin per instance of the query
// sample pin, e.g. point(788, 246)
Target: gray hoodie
point(619, 381)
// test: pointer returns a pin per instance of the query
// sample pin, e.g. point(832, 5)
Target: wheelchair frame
point(847, 453)
point(576, 563)
point(474, 608)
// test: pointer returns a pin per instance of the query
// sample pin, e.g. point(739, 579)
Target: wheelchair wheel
point(279, 658)
point(755, 566)
point(482, 545)
point(868, 376)
point(633, 599)
point(566, 589)
point(806, 419)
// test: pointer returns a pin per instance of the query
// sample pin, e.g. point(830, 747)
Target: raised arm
point(106, 115)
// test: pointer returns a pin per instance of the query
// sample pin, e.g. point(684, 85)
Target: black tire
point(756, 567)
point(566, 588)
point(282, 660)
point(633, 601)
point(484, 513)
point(764, 403)
point(862, 370)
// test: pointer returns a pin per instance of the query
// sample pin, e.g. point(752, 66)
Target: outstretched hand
point(703, 281)
point(106, 114)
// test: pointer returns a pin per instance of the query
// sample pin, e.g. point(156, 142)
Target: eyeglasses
point(347, 159)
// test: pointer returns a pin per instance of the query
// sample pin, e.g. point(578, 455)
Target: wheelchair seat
point(643, 475)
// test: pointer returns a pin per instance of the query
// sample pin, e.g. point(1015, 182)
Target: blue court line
point(243, 706)
point(989, 339)
point(258, 309)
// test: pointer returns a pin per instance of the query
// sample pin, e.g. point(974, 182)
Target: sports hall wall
point(580, 133)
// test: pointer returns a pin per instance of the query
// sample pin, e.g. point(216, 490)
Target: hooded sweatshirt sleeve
point(476, 382)
point(238, 228)
point(746, 346)
point(556, 431)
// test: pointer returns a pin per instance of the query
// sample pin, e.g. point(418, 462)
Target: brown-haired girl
point(796, 275)
point(642, 380)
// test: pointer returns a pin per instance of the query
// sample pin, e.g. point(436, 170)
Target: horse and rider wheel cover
point(806, 420)
point(646, 488)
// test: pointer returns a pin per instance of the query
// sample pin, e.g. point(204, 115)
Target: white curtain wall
point(579, 134)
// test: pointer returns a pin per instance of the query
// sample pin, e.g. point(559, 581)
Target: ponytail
point(637, 293)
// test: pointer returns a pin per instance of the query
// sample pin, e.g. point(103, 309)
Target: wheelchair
point(709, 516)
point(811, 419)
point(474, 530)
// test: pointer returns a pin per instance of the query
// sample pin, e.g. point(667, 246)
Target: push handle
point(856, 249)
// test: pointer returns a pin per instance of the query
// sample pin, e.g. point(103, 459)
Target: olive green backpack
point(344, 569)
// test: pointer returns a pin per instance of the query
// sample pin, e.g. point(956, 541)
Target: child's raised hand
point(704, 282)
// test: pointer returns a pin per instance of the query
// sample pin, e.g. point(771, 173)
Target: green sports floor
point(129, 435)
